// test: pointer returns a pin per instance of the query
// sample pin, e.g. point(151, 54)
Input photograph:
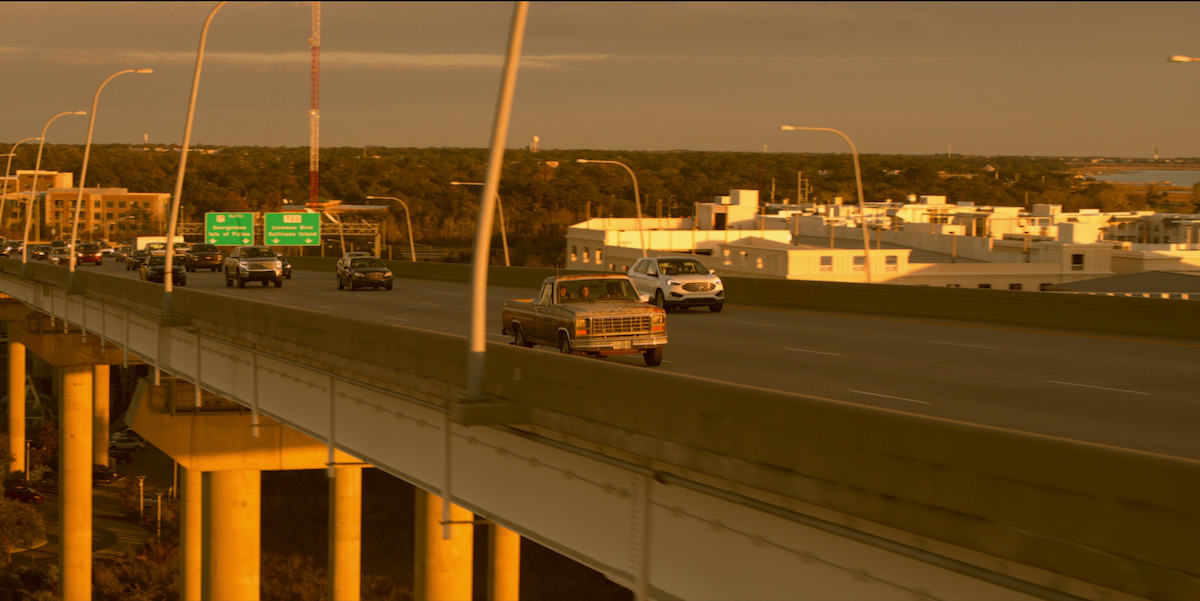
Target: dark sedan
point(155, 268)
point(364, 272)
point(135, 258)
point(287, 266)
point(22, 493)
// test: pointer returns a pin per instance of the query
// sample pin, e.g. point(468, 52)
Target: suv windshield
point(204, 248)
point(682, 267)
point(255, 252)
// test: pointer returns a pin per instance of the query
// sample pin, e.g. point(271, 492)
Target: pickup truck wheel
point(266, 283)
point(228, 281)
point(241, 282)
point(653, 356)
point(279, 282)
point(341, 286)
point(519, 337)
point(564, 344)
point(659, 300)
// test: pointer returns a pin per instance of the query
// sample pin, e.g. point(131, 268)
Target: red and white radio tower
point(314, 112)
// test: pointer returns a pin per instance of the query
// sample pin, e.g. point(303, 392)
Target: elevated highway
point(682, 487)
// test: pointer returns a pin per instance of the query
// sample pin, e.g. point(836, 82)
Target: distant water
point(1184, 178)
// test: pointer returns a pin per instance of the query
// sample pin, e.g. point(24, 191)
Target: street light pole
point(637, 199)
point(33, 191)
point(173, 217)
point(500, 212)
point(141, 498)
point(12, 152)
point(412, 246)
point(858, 180)
point(87, 149)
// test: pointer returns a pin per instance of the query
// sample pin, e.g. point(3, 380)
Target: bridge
point(676, 487)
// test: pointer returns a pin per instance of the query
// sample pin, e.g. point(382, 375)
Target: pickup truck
point(203, 255)
point(596, 315)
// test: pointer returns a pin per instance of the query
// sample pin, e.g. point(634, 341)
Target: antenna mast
point(314, 112)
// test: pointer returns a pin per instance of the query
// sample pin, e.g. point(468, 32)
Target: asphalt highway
point(1141, 394)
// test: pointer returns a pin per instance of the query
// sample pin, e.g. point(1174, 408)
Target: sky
point(916, 78)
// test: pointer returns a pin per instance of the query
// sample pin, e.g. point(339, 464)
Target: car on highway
point(135, 258)
point(154, 269)
point(102, 474)
point(126, 444)
point(40, 252)
point(203, 256)
point(287, 266)
point(364, 272)
point(121, 251)
point(89, 252)
point(120, 455)
point(59, 256)
point(23, 493)
point(678, 283)
point(253, 263)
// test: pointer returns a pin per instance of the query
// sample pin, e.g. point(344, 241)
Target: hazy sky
point(1012, 78)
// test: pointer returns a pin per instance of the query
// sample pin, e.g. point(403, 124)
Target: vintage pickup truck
point(597, 315)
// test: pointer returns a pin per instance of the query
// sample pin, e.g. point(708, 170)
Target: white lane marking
point(394, 318)
point(991, 348)
point(325, 307)
point(802, 350)
point(768, 325)
point(888, 396)
point(1100, 387)
point(431, 304)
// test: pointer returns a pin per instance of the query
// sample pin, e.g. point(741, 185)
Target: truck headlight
point(581, 326)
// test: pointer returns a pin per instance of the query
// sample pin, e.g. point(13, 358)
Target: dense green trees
point(543, 193)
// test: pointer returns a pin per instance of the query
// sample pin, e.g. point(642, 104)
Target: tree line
point(545, 192)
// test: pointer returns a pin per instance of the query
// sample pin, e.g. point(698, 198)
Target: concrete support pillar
point(444, 567)
point(231, 518)
point(16, 404)
point(100, 413)
point(75, 482)
point(345, 536)
point(504, 564)
point(190, 534)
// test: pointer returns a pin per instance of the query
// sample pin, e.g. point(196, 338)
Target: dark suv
point(200, 256)
point(253, 263)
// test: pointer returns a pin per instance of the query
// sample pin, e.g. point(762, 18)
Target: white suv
point(678, 282)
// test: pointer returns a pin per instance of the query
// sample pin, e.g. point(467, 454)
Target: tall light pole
point(173, 217)
point(1179, 58)
point(412, 246)
point(12, 152)
point(858, 180)
point(499, 211)
point(87, 149)
point(33, 191)
point(637, 199)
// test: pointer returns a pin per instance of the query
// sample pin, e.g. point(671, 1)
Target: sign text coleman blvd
point(292, 229)
point(229, 229)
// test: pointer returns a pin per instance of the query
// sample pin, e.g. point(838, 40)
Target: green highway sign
point(292, 229)
point(229, 229)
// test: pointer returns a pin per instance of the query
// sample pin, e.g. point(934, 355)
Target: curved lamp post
point(12, 152)
point(500, 211)
point(87, 148)
point(637, 199)
point(412, 247)
point(33, 191)
point(857, 180)
point(173, 217)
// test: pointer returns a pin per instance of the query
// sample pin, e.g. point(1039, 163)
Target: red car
point(23, 493)
point(89, 253)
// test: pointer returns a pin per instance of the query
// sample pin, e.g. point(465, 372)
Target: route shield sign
point(229, 229)
point(292, 229)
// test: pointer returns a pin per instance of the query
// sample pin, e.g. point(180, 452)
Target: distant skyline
point(918, 78)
